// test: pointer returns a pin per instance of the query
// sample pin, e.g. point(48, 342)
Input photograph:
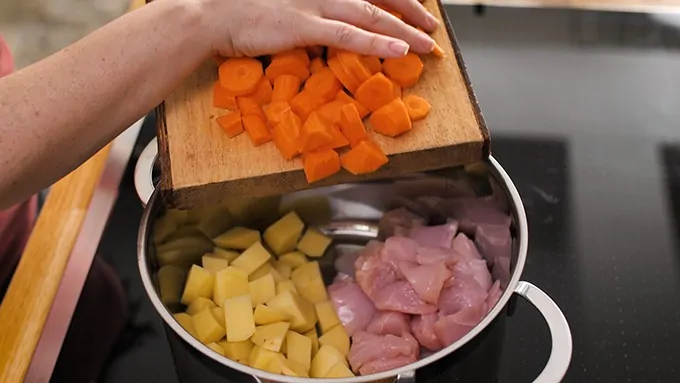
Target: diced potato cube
point(237, 238)
point(229, 255)
point(314, 243)
point(282, 235)
point(265, 359)
point(301, 313)
point(164, 226)
point(299, 349)
point(309, 282)
point(218, 313)
point(295, 259)
point(238, 351)
point(170, 283)
point(261, 271)
point(199, 304)
point(216, 347)
point(214, 264)
point(324, 360)
point(199, 284)
point(312, 335)
point(207, 328)
point(285, 286)
point(254, 257)
point(186, 322)
point(327, 316)
point(290, 368)
point(340, 370)
point(284, 269)
point(336, 337)
point(267, 315)
point(230, 282)
point(262, 289)
point(238, 312)
point(271, 336)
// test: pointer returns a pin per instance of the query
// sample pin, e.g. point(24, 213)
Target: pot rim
point(522, 234)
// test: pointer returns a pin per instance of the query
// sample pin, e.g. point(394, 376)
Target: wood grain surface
point(31, 293)
point(200, 164)
point(642, 6)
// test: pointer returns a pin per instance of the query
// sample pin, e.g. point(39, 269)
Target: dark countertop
point(584, 113)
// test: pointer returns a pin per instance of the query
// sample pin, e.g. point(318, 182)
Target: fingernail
point(427, 42)
point(432, 21)
point(399, 48)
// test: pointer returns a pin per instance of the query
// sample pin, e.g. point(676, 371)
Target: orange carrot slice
point(231, 123)
point(347, 99)
point(416, 106)
point(396, 89)
point(316, 65)
point(222, 98)
point(299, 53)
point(256, 128)
point(304, 103)
point(353, 64)
point(263, 93)
point(321, 164)
point(404, 70)
point(248, 106)
point(438, 51)
point(331, 111)
point(285, 134)
point(347, 79)
point(314, 134)
point(289, 64)
point(365, 157)
point(331, 52)
point(323, 84)
point(240, 75)
point(352, 126)
point(372, 63)
point(338, 139)
point(286, 86)
point(392, 119)
point(375, 92)
point(275, 110)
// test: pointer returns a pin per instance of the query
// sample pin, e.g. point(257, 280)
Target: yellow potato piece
point(301, 313)
point(327, 316)
point(290, 368)
point(214, 264)
point(170, 283)
point(199, 284)
point(265, 359)
point(312, 335)
point(336, 337)
point(164, 227)
point(229, 255)
point(186, 322)
point(207, 328)
point(314, 243)
point(218, 313)
point(262, 289)
point(267, 315)
point(199, 304)
point(238, 312)
point(271, 336)
point(263, 270)
point(282, 235)
point(216, 347)
point(238, 351)
point(299, 349)
point(230, 282)
point(309, 282)
point(251, 259)
point(295, 259)
point(285, 286)
point(284, 269)
point(340, 370)
point(237, 238)
point(327, 357)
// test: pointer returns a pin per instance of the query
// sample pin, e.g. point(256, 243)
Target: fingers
point(367, 16)
point(412, 11)
point(348, 37)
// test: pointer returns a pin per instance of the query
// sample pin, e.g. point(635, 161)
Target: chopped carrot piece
point(285, 134)
point(338, 139)
point(286, 86)
point(316, 65)
point(248, 106)
point(240, 75)
point(347, 99)
point(231, 123)
point(314, 134)
point(438, 51)
point(304, 103)
point(331, 52)
point(321, 164)
point(263, 93)
point(365, 157)
point(347, 79)
point(275, 110)
point(372, 63)
point(299, 53)
point(353, 64)
point(404, 70)
point(392, 119)
point(222, 98)
point(375, 92)
point(290, 64)
point(331, 111)
point(396, 89)
point(352, 126)
point(323, 84)
point(416, 106)
point(256, 128)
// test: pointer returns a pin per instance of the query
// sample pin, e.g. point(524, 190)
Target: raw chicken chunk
point(470, 215)
point(389, 322)
point(398, 222)
point(434, 236)
point(353, 307)
point(427, 281)
point(465, 247)
point(463, 292)
point(400, 296)
point(452, 327)
point(423, 330)
point(399, 249)
point(494, 242)
point(494, 295)
point(372, 353)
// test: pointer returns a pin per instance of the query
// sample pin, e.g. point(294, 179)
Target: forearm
point(58, 112)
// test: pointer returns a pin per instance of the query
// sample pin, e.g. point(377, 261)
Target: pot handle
point(144, 170)
point(560, 334)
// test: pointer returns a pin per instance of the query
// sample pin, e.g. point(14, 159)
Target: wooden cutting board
point(200, 164)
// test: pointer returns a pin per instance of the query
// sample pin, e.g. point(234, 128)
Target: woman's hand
point(257, 27)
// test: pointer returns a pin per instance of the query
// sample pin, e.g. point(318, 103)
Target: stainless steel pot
point(354, 207)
